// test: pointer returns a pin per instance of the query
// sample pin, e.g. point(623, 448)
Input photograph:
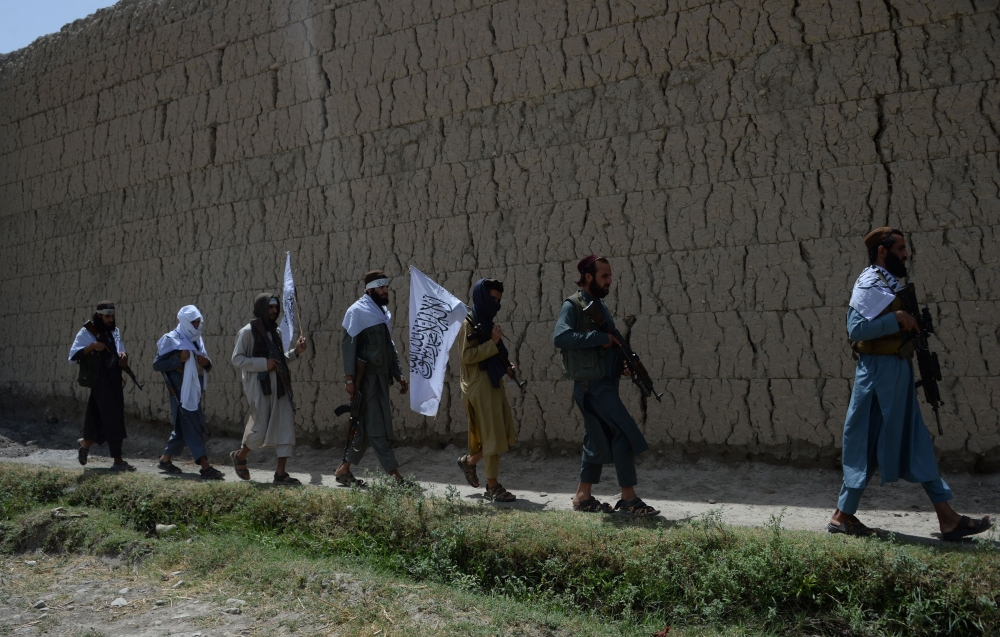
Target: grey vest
point(586, 363)
point(375, 348)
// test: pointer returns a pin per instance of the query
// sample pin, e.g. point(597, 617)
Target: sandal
point(122, 466)
point(82, 453)
point(636, 508)
point(854, 528)
point(286, 479)
point(168, 467)
point(497, 493)
point(966, 527)
point(348, 480)
point(592, 505)
point(212, 474)
point(240, 465)
point(469, 470)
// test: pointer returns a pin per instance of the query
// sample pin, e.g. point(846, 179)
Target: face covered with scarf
point(189, 326)
point(485, 307)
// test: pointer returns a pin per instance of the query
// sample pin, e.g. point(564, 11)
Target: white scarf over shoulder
point(874, 290)
point(187, 337)
point(365, 313)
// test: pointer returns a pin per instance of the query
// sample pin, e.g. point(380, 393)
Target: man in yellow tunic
point(491, 425)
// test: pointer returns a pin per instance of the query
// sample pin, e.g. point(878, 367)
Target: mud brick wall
point(727, 156)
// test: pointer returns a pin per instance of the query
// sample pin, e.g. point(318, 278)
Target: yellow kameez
point(491, 424)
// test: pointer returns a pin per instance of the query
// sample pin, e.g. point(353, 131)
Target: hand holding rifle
point(633, 366)
point(480, 333)
point(917, 325)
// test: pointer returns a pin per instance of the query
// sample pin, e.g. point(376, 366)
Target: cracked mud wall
point(727, 157)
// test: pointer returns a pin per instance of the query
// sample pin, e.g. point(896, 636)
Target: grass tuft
point(701, 573)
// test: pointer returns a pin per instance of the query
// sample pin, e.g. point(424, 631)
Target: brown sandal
point(240, 465)
point(469, 470)
point(497, 493)
point(347, 479)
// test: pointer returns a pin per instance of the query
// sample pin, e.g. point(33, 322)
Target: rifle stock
point(639, 375)
point(927, 361)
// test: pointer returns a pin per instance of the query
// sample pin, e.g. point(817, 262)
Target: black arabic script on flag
point(427, 335)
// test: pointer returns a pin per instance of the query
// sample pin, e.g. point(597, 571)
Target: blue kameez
point(884, 428)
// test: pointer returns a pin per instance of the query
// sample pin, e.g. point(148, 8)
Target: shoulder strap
point(90, 327)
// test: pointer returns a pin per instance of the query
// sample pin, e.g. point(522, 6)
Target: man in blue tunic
point(884, 429)
point(610, 433)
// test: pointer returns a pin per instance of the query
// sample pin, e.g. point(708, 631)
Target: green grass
point(702, 575)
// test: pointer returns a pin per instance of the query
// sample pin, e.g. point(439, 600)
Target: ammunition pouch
point(90, 364)
point(889, 345)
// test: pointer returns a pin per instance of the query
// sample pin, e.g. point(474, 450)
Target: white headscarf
point(365, 313)
point(187, 337)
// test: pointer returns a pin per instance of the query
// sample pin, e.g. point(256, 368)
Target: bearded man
point(884, 428)
point(100, 352)
point(182, 359)
point(368, 337)
point(610, 433)
point(259, 358)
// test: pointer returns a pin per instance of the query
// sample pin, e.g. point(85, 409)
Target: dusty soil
point(745, 494)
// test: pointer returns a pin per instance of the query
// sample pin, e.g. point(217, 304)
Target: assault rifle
point(356, 403)
point(638, 371)
point(927, 361)
point(480, 333)
point(274, 351)
point(112, 360)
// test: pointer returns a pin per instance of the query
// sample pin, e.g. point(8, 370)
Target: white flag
point(288, 305)
point(435, 319)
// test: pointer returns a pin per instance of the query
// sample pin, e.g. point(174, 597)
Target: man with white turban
point(259, 357)
point(184, 363)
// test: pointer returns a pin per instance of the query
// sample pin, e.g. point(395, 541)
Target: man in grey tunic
point(368, 337)
point(270, 423)
point(610, 433)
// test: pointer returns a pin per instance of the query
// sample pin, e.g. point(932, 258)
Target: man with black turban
point(491, 424)
point(100, 352)
point(259, 357)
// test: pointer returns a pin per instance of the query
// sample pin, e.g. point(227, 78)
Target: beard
point(379, 299)
point(895, 266)
point(597, 291)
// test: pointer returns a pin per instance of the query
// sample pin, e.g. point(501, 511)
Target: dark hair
point(493, 284)
point(887, 242)
point(591, 270)
point(373, 275)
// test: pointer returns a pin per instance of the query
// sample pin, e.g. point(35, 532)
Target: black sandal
point(168, 467)
point(497, 493)
point(82, 453)
point(853, 527)
point(348, 480)
point(635, 508)
point(469, 470)
point(242, 472)
point(122, 466)
point(286, 479)
point(212, 474)
point(966, 527)
point(592, 505)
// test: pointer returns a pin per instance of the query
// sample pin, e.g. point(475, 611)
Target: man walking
point(368, 338)
point(884, 429)
point(491, 424)
point(267, 387)
point(610, 433)
point(100, 352)
point(184, 363)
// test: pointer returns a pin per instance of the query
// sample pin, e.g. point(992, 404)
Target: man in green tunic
point(368, 337)
point(491, 425)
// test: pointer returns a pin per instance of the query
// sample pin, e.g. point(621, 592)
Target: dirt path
point(746, 494)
